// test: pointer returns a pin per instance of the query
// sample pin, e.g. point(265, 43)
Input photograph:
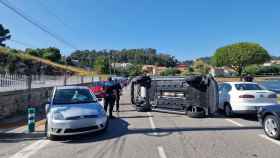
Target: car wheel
point(47, 132)
point(106, 126)
point(228, 110)
point(198, 113)
point(271, 127)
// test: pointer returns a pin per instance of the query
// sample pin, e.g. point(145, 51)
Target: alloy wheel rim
point(271, 127)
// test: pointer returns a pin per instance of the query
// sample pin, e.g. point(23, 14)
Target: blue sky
point(187, 29)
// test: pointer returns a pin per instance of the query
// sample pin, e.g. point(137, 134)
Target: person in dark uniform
point(248, 78)
point(118, 89)
point(109, 99)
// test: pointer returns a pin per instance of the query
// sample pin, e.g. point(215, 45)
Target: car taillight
point(246, 96)
point(272, 96)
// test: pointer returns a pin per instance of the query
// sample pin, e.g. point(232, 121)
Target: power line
point(49, 10)
point(21, 43)
point(29, 19)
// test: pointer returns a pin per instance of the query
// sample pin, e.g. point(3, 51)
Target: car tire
point(48, 135)
point(228, 110)
point(197, 114)
point(272, 126)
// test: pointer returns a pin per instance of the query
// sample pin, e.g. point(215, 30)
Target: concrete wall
point(15, 102)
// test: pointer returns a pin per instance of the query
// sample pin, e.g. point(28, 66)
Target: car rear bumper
point(241, 109)
point(75, 127)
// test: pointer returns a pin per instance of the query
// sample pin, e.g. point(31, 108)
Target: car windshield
point(248, 87)
point(73, 96)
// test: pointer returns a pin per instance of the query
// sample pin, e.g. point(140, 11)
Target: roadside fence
point(11, 82)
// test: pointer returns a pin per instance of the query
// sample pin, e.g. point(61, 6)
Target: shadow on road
point(119, 127)
point(128, 110)
point(169, 112)
point(248, 117)
point(138, 116)
point(19, 137)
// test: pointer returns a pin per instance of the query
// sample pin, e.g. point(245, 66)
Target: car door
point(221, 103)
point(226, 96)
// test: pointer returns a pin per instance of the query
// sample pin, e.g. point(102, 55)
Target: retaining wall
point(15, 102)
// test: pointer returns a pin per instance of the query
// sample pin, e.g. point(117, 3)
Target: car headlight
point(58, 116)
point(102, 113)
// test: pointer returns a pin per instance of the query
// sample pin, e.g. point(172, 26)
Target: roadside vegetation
point(243, 58)
point(16, 61)
point(170, 72)
point(240, 55)
point(141, 56)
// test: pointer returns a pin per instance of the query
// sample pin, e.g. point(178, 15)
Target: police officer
point(109, 96)
point(118, 89)
point(248, 78)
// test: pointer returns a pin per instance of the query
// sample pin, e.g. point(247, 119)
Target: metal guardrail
point(12, 82)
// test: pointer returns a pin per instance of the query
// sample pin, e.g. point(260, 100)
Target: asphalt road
point(156, 134)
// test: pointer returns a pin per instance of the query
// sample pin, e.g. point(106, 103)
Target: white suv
point(244, 97)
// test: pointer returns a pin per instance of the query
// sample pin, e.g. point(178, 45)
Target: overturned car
point(196, 95)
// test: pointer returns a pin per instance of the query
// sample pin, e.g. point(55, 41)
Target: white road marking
point(234, 122)
point(152, 123)
point(270, 139)
point(161, 152)
point(31, 149)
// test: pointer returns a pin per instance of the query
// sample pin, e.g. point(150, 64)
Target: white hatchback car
point(244, 97)
point(74, 110)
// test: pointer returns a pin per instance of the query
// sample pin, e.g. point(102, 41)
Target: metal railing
point(11, 82)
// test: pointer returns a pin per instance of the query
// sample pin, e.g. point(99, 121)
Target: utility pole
point(65, 73)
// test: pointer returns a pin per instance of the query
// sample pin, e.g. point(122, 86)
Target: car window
point(73, 96)
point(246, 87)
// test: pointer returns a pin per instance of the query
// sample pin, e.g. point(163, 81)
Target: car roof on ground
point(71, 87)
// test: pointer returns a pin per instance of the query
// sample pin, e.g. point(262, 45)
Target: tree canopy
point(147, 56)
point(170, 72)
point(51, 53)
point(4, 35)
point(102, 65)
point(239, 55)
point(201, 67)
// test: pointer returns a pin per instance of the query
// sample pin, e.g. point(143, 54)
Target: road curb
point(39, 127)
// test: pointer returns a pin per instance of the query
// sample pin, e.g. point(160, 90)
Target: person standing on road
point(248, 78)
point(109, 96)
point(118, 89)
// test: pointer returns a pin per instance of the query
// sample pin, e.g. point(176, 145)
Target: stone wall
point(15, 102)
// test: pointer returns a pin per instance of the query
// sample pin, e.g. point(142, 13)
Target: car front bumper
point(74, 127)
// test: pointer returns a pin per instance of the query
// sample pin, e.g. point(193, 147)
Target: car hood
point(72, 110)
